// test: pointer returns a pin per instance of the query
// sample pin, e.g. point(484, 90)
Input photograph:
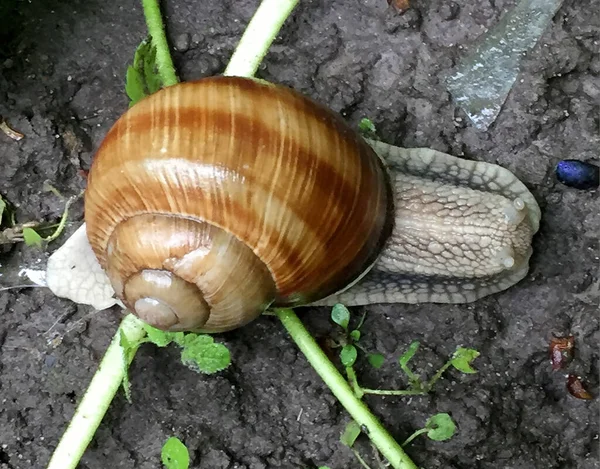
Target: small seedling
point(199, 352)
point(439, 427)
point(29, 232)
point(350, 340)
point(461, 359)
point(367, 128)
point(175, 455)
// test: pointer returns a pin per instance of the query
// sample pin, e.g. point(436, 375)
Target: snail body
point(210, 201)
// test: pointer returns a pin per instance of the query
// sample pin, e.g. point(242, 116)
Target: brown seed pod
point(561, 351)
point(577, 389)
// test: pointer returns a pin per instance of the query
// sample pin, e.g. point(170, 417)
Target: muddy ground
point(62, 69)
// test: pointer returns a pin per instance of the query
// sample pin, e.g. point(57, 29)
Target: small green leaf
point(406, 356)
point(366, 126)
point(124, 342)
point(142, 77)
point(355, 335)
point(350, 434)
point(348, 355)
point(31, 237)
point(201, 353)
point(175, 455)
point(376, 360)
point(462, 358)
point(128, 352)
point(162, 338)
point(140, 52)
point(197, 340)
point(134, 85)
point(441, 427)
point(153, 81)
point(340, 315)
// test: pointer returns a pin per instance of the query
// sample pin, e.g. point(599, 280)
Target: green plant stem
point(62, 223)
point(393, 392)
point(353, 381)
point(429, 384)
point(414, 435)
point(258, 37)
point(362, 462)
point(412, 377)
point(384, 442)
point(97, 398)
point(156, 29)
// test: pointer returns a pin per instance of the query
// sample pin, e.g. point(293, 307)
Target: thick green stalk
point(99, 395)
point(386, 444)
point(156, 29)
point(258, 37)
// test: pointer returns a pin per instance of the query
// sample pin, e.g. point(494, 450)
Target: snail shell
point(210, 201)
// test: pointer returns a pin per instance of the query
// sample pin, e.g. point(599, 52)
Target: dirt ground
point(62, 69)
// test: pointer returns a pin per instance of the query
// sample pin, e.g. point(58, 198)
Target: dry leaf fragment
point(10, 132)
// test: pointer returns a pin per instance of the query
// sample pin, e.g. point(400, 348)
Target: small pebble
point(197, 39)
point(182, 42)
point(449, 10)
point(49, 361)
point(578, 174)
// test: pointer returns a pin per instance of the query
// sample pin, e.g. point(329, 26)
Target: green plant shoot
point(142, 77)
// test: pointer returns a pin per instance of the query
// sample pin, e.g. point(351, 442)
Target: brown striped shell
point(210, 201)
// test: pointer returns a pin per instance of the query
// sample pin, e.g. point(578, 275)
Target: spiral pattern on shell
point(211, 200)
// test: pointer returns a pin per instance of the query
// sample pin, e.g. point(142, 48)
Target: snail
point(212, 200)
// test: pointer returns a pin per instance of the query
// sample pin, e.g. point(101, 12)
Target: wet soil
point(62, 69)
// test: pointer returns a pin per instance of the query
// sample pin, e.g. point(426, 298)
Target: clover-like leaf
point(201, 353)
point(462, 358)
point(440, 427)
point(348, 355)
point(162, 338)
point(340, 315)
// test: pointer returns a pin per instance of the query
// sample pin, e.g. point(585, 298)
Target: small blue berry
point(578, 174)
